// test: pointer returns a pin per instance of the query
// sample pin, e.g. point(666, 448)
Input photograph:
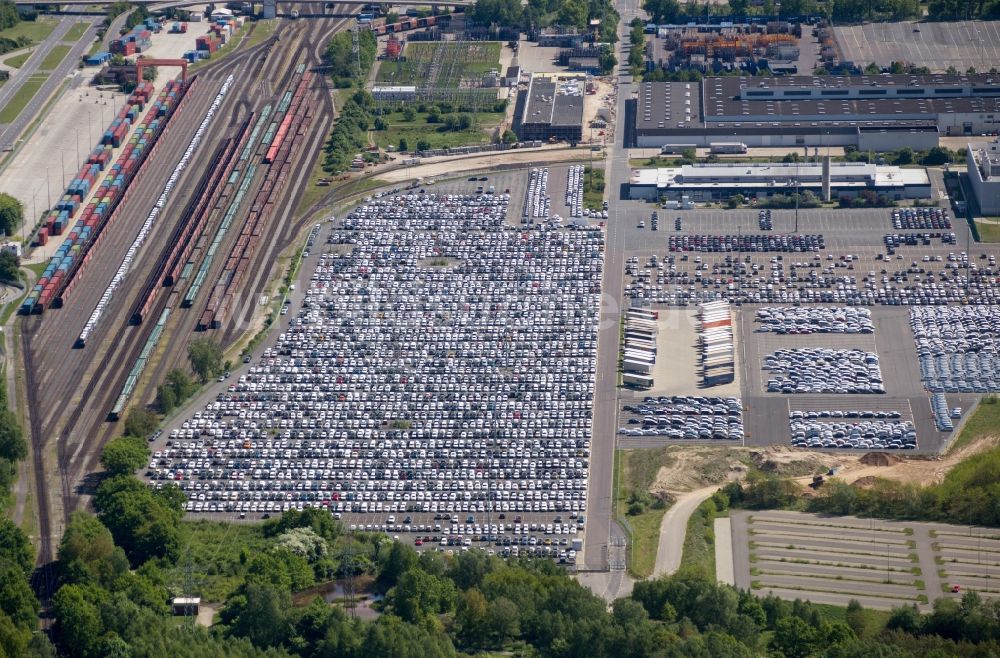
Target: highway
point(10, 132)
point(71, 390)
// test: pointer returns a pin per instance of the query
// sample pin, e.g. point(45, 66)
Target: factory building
point(984, 175)
point(550, 109)
point(878, 112)
point(715, 182)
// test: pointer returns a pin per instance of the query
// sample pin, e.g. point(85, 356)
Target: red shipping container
point(43, 238)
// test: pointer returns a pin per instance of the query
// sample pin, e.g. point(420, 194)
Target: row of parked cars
point(815, 320)
point(942, 415)
point(823, 370)
point(958, 348)
point(442, 361)
point(921, 218)
point(859, 435)
point(537, 202)
point(746, 243)
point(685, 417)
point(754, 278)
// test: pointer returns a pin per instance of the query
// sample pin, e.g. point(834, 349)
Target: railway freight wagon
point(95, 216)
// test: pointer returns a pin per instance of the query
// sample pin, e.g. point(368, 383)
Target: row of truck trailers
point(639, 352)
point(715, 336)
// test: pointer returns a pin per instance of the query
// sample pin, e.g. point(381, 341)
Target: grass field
point(17, 61)
point(35, 30)
point(261, 30)
point(418, 129)
point(54, 57)
point(593, 188)
point(989, 231)
point(698, 555)
point(76, 32)
point(27, 92)
point(442, 64)
point(985, 420)
point(635, 473)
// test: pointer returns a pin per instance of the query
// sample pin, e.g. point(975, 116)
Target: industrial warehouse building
point(550, 109)
point(708, 182)
point(878, 112)
point(984, 175)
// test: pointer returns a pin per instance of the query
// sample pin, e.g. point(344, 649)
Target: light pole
point(48, 189)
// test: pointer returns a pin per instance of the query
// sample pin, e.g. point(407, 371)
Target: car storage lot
point(855, 268)
point(882, 564)
point(435, 379)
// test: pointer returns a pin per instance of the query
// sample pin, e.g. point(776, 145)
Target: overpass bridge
point(163, 4)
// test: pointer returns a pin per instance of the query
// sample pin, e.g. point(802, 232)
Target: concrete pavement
point(673, 530)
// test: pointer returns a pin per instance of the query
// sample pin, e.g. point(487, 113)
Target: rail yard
point(196, 262)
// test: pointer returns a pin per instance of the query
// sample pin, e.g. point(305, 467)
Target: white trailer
point(637, 366)
point(636, 380)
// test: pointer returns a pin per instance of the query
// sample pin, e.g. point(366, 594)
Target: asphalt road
point(10, 132)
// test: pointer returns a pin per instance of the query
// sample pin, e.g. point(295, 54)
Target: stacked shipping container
point(96, 214)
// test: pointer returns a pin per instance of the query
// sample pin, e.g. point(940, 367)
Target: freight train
point(409, 24)
point(95, 215)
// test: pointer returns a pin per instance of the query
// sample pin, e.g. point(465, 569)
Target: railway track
point(70, 391)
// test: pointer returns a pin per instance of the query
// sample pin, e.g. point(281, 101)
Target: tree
point(423, 145)
point(572, 13)
point(261, 614)
point(15, 547)
point(140, 422)
point(408, 113)
point(794, 638)
point(16, 598)
point(125, 454)
point(12, 444)
point(8, 267)
point(403, 146)
point(904, 156)
point(11, 214)
point(380, 124)
point(509, 137)
point(856, 619)
point(78, 624)
point(205, 355)
point(662, 11)
point(504, 620)
point(144, 522)
point(936, 156)
point(177, 387)
point(506, 13)
point(472, 617)
point(738, 7)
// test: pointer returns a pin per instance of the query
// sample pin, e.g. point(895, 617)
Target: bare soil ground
point(694, 467)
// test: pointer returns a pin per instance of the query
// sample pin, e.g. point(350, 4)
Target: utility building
point(551, 109)
point(878, 112)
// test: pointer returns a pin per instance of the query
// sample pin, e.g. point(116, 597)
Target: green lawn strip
point(76, 32)
point(54, 57)
point(988, 231)
point(593, 188)
point(698, 556)
point(35, 30)
point(875, 577)
point(983, 421)
point(761, 584)
point(22, 97)
point(635, 473)
point(433, 133)
point(261, 30)
point(18, 60)
point(645, 542)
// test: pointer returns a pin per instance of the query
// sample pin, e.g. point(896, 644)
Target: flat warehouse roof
point(729, 109)
point(554, 102)
point(727, 84)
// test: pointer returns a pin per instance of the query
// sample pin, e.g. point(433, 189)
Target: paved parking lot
point(882, 564)
point(854, 267)
point(436, 380)
point(935, 45)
